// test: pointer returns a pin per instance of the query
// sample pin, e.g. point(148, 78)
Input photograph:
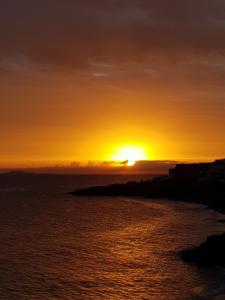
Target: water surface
point(56, 246)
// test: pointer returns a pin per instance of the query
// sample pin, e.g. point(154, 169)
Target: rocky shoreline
point(191, 183)
point(209, 253)
point(210, 194)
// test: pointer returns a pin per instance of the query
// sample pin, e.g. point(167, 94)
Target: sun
point(131, 154)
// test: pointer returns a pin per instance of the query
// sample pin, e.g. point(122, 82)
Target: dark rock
point(210, 194)
point(211, 252)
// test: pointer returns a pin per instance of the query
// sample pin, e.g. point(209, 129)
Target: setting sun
point(131, 154)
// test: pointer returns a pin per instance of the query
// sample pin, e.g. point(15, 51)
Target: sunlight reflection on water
point(55, 246)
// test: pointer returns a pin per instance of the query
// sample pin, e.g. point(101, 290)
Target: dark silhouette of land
point(198, 183)
point(211, 252)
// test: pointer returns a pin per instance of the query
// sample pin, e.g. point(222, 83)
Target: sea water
point(57, 246)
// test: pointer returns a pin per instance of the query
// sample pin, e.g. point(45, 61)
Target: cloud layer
point(76, 76)
point(71, 34)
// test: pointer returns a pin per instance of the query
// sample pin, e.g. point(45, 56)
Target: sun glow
point(130, 154)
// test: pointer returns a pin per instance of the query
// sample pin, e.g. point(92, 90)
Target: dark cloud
point(109, 167)
point(71, 34)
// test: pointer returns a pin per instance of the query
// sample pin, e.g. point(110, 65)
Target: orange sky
point(73, 93)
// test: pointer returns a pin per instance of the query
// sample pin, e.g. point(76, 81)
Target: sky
point(79, 79)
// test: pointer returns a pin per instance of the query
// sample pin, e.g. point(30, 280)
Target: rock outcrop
point(211, 252)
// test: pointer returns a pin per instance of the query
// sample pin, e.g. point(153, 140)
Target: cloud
point(16, 64)
point(175, 45)
point(145, 166)
point(69, 34)
point(109, 167)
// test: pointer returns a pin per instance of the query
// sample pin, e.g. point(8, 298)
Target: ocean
point(57, 246)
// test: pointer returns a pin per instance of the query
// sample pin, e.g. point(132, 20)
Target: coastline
point(209, 194)
point(195, 183)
